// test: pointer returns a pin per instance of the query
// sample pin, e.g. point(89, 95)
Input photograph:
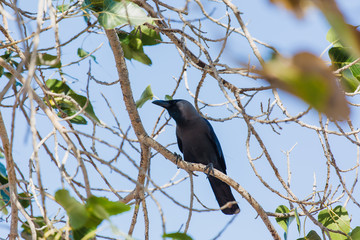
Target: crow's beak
point(161, 103)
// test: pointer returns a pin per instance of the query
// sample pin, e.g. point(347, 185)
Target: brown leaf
point(296, 6)
point(309, 78)
point(349, 35)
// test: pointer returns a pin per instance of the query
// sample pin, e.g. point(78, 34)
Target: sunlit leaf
point(348, 81)
point(81, 100)
point(98, 209)
point(312, 235)
point(114, 13)
point(103, 208)
point(335, 219)
point(340, 57)
point(57, 86)
point(48, 60)
point(4, 210)
point(168, 97)
point(284, 222)
point(148, 36)
point(348, 35)
point(146, 95)
point(355, 234)
point(76, 211)
point(177, 236)
point(82, 53)
point(67, 106)
point(309, 78)
point(63, 8)
point(333, 38)
point(133, 47)
point(133, 42)
point(77, 119)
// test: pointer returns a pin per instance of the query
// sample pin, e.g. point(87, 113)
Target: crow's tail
point(223, 195)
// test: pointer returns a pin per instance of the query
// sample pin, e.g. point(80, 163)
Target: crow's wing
point(216, 145)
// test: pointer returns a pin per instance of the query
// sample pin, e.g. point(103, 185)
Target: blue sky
point(266, 22)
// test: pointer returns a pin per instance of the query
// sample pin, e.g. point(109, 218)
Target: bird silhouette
point(198, 143)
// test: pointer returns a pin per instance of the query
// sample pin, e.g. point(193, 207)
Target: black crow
point(199, 144)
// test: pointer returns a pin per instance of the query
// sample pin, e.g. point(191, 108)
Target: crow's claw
point(209, 169)
point(178, 158)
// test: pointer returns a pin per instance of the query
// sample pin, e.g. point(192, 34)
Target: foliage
point(307, 77)
point(84, 219)
point(83, 54)
point(66, 106)
point(42, 53)
point(342, 56)
point(336, 219)
point(146, 95)
point(114, 13)
point(133, 42)
point(177, 236)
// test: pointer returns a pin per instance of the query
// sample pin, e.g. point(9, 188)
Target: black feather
point(198, 143)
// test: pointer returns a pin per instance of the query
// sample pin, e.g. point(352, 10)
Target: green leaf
point(309, 78)
point(103, 208)
point(340, 57)
point(48, 60)
point(81, 100)
point(348, 81)
point(137, 54)
point(4, 210)
point(148, 36)
point(177, 236)
point(312, 235)
point(336, 219)
point(133, 42)
point(146, 95)
point(98, 209)
point(77, 120)
point(40, 226)
point(75, 210)
point(333, 38)
point(114, 13)
point(168, 97)
point(63, 8)
point(298, 223)
point(82, 53)
point(25, 199)
point(355, 234)
point(8, 75)
point(283, 222)
point(57, 86)
point(1, 71)
point(67, 106)
point(348, 35)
